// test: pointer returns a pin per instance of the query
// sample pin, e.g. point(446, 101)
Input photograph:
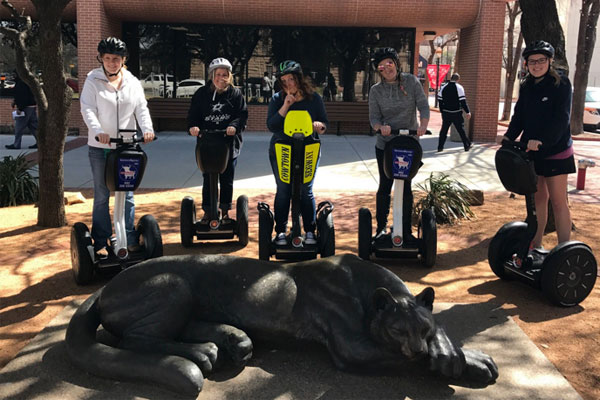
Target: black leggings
point(384, 198)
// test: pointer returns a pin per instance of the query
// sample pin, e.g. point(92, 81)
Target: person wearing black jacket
point(219, 106)
point(452, 100)
point(541, 117)
point(26, 116)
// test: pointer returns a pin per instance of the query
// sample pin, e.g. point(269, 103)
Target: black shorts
point(548, 168)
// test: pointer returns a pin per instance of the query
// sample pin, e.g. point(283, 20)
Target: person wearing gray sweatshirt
point(393, 104)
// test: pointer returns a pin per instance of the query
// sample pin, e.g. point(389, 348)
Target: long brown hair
point(305, 86)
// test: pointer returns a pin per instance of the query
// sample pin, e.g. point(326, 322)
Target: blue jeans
point(28, 121)
point(225, 185)
point(308, 208)
point(101, 221)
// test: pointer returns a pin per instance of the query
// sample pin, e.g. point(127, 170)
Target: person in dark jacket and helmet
point(541, 118)
point(297, 93)
point(219, 106)
point(393, 104)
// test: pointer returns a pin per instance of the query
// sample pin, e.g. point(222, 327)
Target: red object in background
point(73, 84)
point(581, 178)
point(432, 74)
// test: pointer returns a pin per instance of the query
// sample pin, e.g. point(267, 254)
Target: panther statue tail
point(84, 350)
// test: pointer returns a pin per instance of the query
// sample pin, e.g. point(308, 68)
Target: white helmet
point(219, 62)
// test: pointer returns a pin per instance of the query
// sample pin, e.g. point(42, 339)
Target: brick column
point(480, 65)
point(93, 24)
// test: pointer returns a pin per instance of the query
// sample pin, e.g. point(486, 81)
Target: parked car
point(154, 84)
point(591, 112)
point(187, 87)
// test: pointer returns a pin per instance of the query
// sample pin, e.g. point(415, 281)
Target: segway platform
point(567, 273)
point(297, 160)
point(402, 160)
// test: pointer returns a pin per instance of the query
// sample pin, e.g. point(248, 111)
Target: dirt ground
point(36, 281)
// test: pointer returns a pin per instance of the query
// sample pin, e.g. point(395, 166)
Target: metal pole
point(437, 81)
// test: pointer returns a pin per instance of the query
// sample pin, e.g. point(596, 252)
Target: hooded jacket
point(106, 109)
point(210, 110)
point(543, 113)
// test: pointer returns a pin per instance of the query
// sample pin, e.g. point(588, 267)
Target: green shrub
point(17, 185)
point(449, 199)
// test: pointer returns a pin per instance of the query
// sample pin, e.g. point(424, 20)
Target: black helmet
point(538, 47)
point(289, 67)
point(382, 53)
point(112, 45)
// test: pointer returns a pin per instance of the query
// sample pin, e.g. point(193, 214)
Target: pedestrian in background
point(26, 115)
point(452, 101)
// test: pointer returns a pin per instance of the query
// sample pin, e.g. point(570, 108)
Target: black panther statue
point(177, 316)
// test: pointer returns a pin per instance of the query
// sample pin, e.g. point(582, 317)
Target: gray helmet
point(112, 45)
point(382, 53)
point(289, 67)
point(539, 47)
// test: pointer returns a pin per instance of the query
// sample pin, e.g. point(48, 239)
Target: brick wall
point(479, 64)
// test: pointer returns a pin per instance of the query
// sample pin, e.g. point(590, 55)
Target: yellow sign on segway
point(283, 152)
point(298, 121)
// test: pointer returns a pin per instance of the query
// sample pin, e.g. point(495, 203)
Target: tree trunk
point(512, 60)
point(590, 9)
point(53, 115)
point(539, 21)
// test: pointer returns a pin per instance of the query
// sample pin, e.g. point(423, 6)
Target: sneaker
point(309, 238)
point(133, 248)
point(33, 146)
point(11, 147)
point(469, 147)
point(102, 253)
point(280, 239)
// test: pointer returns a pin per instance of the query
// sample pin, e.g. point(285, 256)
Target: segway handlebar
point(212, 132)
point(127, 140)
point(411, 132)
point(518, 145)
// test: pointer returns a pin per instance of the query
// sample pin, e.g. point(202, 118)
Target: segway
point(567, 273)
point(123, 172)
point(401, 162)
point(296, 162)
point(212, 155)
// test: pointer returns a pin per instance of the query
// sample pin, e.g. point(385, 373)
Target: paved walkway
point(347, 162)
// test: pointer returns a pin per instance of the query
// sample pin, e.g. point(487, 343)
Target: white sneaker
point(280, 239)
point(309, 238)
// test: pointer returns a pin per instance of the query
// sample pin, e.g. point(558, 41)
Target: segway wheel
point(428, 244)
point(327, 236)
point(365, 230)
point(242, 219)
point(265, 228)
point(504, 245)
point(150, 236)
point(81, 260)
point(569, 273)
point(187, 221)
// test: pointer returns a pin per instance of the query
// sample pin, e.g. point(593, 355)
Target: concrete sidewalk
point(347, 162)
point(42, 370)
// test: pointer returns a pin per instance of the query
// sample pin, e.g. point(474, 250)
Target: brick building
point(479, 55)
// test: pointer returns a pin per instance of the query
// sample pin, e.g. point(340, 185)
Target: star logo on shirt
point(217, 107)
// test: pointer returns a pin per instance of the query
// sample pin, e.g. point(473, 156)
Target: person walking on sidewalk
point(219, 106)
point(452, 102)
point(26, 115)
point(393, 104)
point(541, 118)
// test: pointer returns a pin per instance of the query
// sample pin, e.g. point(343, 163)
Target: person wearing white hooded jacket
point(111, 99)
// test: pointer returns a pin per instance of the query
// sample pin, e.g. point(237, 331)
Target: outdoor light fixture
point(429, 35)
